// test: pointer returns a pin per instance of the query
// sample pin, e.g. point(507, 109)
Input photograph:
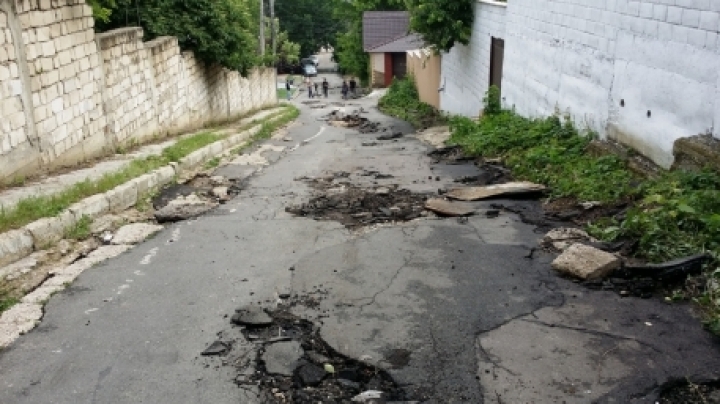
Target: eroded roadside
point(458, 309)
point(327, 247)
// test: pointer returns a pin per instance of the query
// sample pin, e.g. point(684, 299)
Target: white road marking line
point(146, 260)
point(322, 129)
point(88, 311)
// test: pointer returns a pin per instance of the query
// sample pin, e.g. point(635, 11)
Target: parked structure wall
point(425, 68)
point(69, 95)
point(377, 69)
point(644, 73)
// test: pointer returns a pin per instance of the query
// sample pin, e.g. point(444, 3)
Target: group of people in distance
point(312, 87)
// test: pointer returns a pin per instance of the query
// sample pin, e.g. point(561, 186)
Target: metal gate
point(497, 55)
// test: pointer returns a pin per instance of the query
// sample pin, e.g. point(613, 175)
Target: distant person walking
point(316, 89)
point(345, 90)
point(353, 85)
point(325, 87)
point(309, 88)
point(288, 90)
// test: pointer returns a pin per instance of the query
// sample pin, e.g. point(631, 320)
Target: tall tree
point(310, 23)
point(442, 23)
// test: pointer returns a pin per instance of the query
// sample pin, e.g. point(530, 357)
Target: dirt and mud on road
point(353, 206)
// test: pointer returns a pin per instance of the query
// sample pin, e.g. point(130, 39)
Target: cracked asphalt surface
point(481, 320)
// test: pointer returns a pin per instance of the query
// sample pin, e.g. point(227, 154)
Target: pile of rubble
point(602, 265)
point(353, 206)
point(291, 363)
point(339, 119)
point(193, 198)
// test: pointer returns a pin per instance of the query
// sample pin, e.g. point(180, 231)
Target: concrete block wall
point(129, 84)
point(16, 150)
point(169, 77)
point(645, 73)
point(466, 69)
point(68, 95)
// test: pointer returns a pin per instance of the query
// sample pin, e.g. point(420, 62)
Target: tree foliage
point(310, 23)
point(442, 23)
point(217, 31)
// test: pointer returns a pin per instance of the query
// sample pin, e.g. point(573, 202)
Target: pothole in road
point(291, 363)
point(354, 206)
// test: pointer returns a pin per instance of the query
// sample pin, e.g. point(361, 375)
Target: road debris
point(507, 189)
point(586, 262)
point(446, 208)
point(391, 136)
point(669, 271)
point(216, 348)
point(563, 237)
point(134, 233)
point(183, 208)
point(287, 359)
point(354, 206)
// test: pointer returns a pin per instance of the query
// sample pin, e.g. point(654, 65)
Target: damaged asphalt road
point(454, 310)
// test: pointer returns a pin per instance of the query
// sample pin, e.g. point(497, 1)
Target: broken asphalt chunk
point(311, 374)
point(448, 208)
point(252, 316)
point(507, 189)
point(677, 269)
point(282, 358)
point(216, 348)
point(585, 262)
point(390, 136)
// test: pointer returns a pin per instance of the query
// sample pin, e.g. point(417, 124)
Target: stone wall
point(68, 95)
point(645, 73)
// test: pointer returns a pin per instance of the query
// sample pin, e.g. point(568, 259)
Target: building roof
point(383, 27)
point(403, 44)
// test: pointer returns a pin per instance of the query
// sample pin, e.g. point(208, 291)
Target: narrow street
point(454, 310)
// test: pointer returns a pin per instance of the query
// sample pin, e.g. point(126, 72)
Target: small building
point(387, 38)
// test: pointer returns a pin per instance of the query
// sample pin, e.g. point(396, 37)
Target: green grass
point(81, 229)
point(30, 209)
point(281, 94)
point(674, 215)
point(212, 163)
point(7, 301)
point(34, 208)
point(402, 101)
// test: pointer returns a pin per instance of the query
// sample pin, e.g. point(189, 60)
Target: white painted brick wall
point(466, 69)
point(582, 57)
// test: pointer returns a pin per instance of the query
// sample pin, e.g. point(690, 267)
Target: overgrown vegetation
point(671, 216)
point(402, 101)
point(217, 31)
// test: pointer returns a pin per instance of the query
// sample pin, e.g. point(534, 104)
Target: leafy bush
point(402, 101)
